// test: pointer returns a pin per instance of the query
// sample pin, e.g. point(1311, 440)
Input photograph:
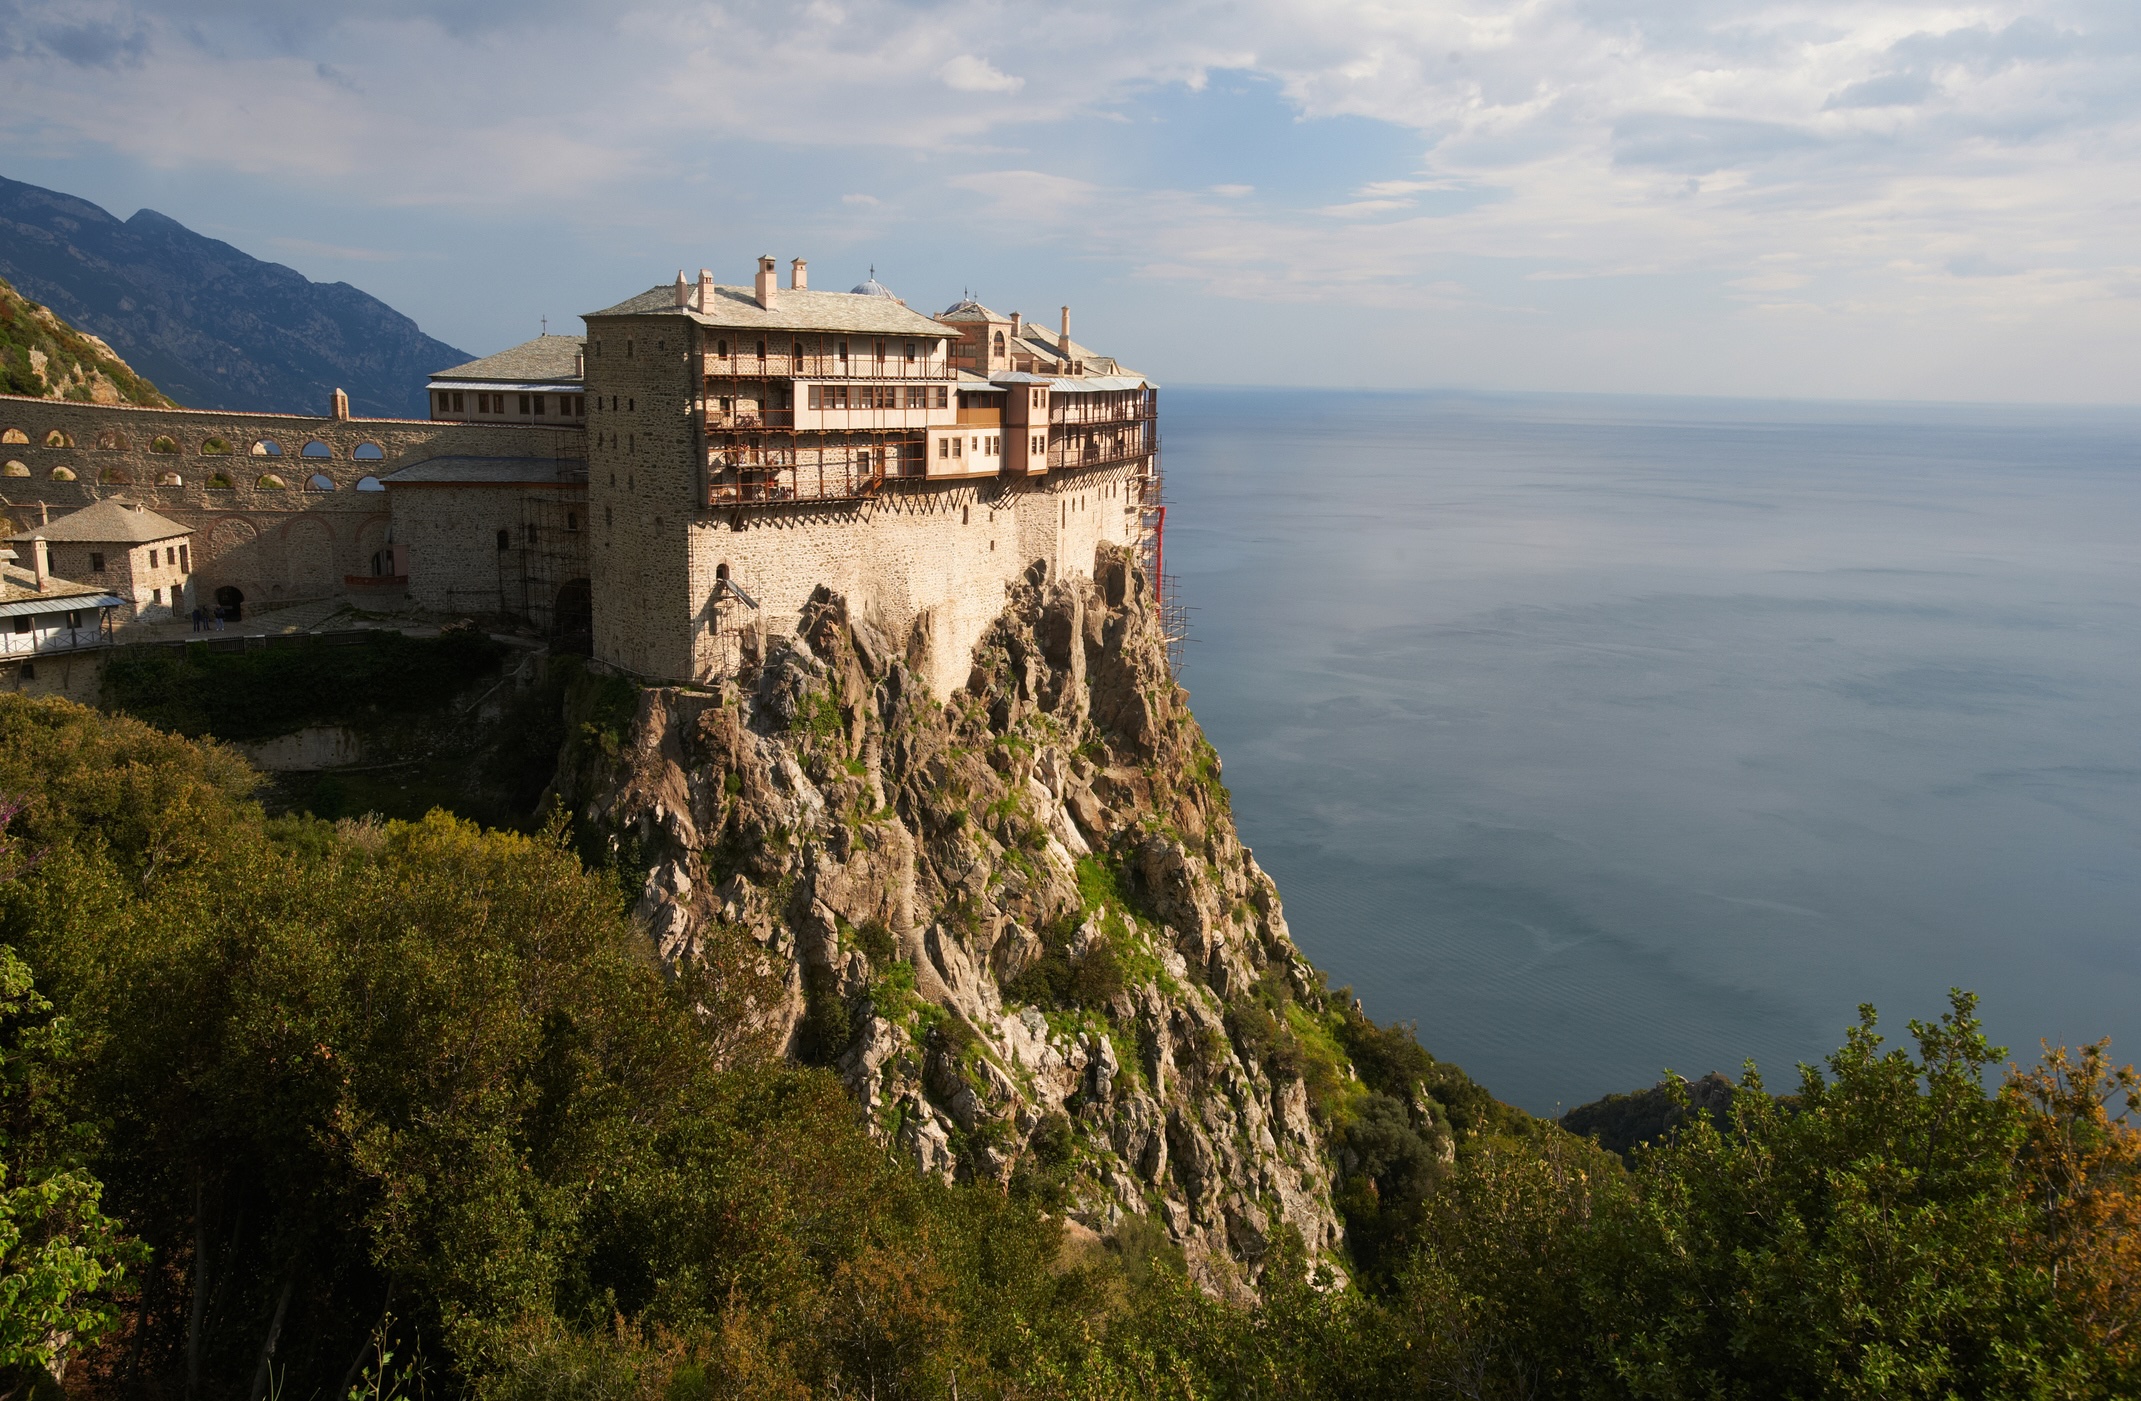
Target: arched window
point(369, 484)
point(57, 439)
point(15, 469)
point(999, 342)
point(319, 481)
point(218, 481)
point(62, 474)
point(14, 435)
point(267, 447)
point(315, 448)
point(268, 481)
point(721, 349)
point(113, 476)
point(215, 447)
point(162, 443)
point(112, 440)
point(505, 540)
point(369, 452)
point(170, 479)
point(761, 350)
point(798, 350)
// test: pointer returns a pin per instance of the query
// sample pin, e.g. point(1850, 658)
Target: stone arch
point(115, 476)
point(220, 481)
point(268, 481)
point(62, 474)
point(369, 452)
point(170, 479)
point(266, 447)
point(319, 481)
point(57, 438)
point(15, 469)
point(112, 440)
point(163, 442)
point(308, 557)
point(370, 484)
point(572, 614)
point(229, 534)
point(216, 447)
point(315, 448)
point(13, 435)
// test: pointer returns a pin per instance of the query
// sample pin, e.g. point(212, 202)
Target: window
point(215, 447)
point(369, 452)
point(943, 396)
point(57, 439)
point(268, 481)
point(529, 530)
point(267, 447)
point(96, 562)
point(579, 406)
point(797, 354)
point(439, 402)
point(999, 342)
point(524, 403)
point(315, 448)
point(16, 469)
point(1040, 444)
point(539, 405)
point(183, 559)
point(370, 484)
point(572, 520)
point(156, 595)
point(944, 447)
point(761, 350)
point(22, 624)
point(74, 620)
point(957, 444)
point(171, 555)
point(721, 349)
point(843, 350)
point(880, 352)
point(62, 474)
point(505, 540)
point(319, 481)
point(457, 401)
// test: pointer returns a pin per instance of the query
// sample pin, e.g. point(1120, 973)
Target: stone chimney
point(340, 410)
point(706, 291)
point(40, 561)
point(579, 363)
point(799, 275)
point(1017, 321)
point(683, 289)
point(768, 289)
point(1063, 341)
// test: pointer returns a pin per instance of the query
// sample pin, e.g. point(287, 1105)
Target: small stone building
point(41, 613)
point(122, 548)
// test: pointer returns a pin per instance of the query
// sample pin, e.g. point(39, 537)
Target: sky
point(1880, 199)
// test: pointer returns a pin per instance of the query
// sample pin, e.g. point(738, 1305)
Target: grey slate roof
point(738, 307)
point(19, 594)
point(489, 471)
point(967, 309)
point(544, 358)
point(112, 520)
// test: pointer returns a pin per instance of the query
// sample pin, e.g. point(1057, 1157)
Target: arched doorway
point(572, 618)
point(231, 600)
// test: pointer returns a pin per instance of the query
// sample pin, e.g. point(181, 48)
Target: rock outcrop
point(1018, 924)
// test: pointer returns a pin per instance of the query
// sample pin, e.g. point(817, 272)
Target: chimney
point(579, 363)
point(799, 275)
point(1017, 321)
point(40, 561)
point(706, 291)
point(769, 293)
point(341, 405)
point(683, 289)
point(1063, 343)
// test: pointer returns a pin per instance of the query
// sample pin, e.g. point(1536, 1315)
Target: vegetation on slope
point(45, 358)
point(409, 1104)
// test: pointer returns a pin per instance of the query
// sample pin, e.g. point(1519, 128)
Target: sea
point(1602, 736)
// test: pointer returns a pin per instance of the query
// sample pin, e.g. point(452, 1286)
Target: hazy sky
point(1860, 198)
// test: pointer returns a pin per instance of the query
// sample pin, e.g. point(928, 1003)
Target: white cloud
point(967, 73)
point(1924, 162)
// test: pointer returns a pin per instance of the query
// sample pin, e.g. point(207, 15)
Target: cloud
point(967, 73)
point(96, 43)
point(859, 199)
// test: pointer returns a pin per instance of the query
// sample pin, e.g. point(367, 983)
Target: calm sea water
point(1602, 735)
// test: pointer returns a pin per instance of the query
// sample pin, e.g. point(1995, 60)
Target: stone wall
point(449, 536)
point(927, 562)
point(273, 544)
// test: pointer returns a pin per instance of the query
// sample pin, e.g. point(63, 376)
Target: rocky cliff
point(1019, 925)
point(45, 358)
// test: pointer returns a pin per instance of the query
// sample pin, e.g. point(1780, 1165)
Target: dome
point(873, 288)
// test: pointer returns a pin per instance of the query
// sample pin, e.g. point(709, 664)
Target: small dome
point(874, 288)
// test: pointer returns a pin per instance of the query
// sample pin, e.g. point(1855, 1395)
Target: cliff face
point(1019, 925)
point(45, 358)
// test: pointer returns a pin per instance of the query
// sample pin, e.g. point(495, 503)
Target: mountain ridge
point(210, 324)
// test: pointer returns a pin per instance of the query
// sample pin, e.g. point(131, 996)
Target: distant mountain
point(216, 328)
point(44, 357)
